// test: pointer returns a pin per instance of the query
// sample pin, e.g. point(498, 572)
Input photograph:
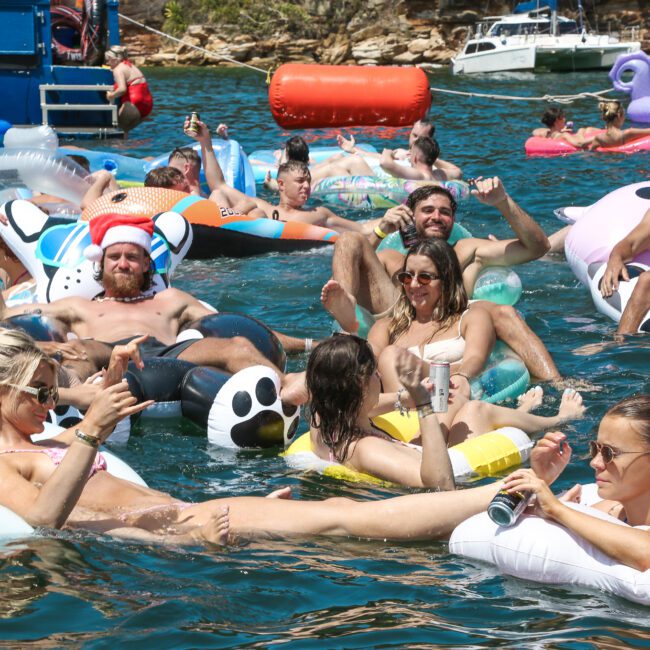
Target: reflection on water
point(345, 593)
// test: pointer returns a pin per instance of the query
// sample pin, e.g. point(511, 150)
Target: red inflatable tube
point(536, 146)
point(315, 96)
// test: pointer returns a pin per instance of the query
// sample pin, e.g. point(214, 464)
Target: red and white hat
point(109, 229)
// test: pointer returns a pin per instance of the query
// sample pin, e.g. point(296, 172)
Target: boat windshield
point(532, 27)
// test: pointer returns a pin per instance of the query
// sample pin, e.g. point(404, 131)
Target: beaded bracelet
point(93, 441)
point(403, 410)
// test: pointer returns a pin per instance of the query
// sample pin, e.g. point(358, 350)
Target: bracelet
point(309, 345)
point(93, 441)
point(398, 403)
point(380, 233)
point(460, 374)
point(425, 411)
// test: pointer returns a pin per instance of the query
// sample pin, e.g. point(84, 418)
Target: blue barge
point(49, 74)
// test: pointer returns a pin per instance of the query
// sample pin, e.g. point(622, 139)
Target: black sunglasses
point(42, 393)
point(424, 278)
point(608, 452)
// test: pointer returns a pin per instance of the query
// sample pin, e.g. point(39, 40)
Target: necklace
point(138, 298)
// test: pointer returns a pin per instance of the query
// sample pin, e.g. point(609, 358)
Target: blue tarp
point(524, 7)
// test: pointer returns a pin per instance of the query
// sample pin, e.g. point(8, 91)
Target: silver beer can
point(506, 507)
point(439, 376)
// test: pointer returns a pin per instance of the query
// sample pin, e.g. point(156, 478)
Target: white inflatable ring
point(539, 550)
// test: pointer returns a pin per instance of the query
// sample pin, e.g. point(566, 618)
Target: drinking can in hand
point(506, 507)
point(193, 126)
point(439, 376)
point(409, 236)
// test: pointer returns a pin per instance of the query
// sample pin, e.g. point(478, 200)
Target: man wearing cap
point(128, 307)
point(361, 276)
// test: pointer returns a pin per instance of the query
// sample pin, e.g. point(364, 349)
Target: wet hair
point(552, 115)
point(82, 161)
point(19, 359)
point(118, 52)
point(297, 149)
point(147, 280)
point(338, 372)
point(453, 297)
point(610, 110)
point(187, 154)
point(636, 409)
point(429, 147)
point(164, 177)
point(423, 193)
point(428, 123)
point(293, 166)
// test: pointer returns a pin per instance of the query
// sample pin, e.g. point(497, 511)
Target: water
point(74, 589)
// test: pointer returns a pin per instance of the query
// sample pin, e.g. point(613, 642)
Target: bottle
point(193, 126)
point(439, 376)
point(506, 507)
point(409, 236)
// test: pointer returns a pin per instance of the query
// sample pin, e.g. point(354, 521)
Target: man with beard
point(129, 308)
point(361, 276)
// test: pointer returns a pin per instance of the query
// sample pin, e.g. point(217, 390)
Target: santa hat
point(109, 229)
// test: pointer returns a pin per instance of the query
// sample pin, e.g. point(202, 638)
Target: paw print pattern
point(247, 411)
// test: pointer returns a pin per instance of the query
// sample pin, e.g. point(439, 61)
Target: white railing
point(46, 108)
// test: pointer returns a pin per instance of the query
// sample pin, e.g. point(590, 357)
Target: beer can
point(193, 126)
point(506, 507)
point(409, 236)
point(439, 376)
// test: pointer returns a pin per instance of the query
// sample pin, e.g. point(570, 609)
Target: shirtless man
point(121, 245)
point(294, 185)
point(637, 241)
point(362, 276)
point(421, 129)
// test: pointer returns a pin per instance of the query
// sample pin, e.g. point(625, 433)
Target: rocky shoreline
point(382, 32)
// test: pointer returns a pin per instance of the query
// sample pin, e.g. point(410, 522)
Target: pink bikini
point(57, 454)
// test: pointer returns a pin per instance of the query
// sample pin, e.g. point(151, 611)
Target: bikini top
point(445, 350)
point(57, 454)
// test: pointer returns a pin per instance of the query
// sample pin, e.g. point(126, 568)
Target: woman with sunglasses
point(345, 393)
point(620, 458)
point(63, 480)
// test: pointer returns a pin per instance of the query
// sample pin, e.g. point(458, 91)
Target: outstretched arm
point(637, 241)
point(531, 242)
point(213, 173)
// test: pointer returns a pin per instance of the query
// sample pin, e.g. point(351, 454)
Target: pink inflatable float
point(591, 239)
point(536, 146)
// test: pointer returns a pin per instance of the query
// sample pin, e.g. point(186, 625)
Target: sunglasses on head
point(424, 278)
point(42, 393)
point(607, 452)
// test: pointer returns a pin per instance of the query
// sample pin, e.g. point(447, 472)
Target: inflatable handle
point(634, 65)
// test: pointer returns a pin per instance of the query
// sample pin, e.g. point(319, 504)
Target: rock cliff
point(334, 31)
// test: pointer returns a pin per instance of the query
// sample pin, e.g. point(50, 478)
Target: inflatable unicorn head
point(638, 87)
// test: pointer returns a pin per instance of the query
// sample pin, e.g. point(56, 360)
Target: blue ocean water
point(73, 589)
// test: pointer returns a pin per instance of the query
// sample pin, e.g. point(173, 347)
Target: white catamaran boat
point(536, 37)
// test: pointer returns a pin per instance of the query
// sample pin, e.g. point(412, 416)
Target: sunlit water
point(81, 590)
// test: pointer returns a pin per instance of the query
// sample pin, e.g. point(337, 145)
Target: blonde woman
point(613, 115)
point(130, 88)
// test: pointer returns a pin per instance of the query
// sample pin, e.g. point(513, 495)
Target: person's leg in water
point(358, 277)
point(424, 516)
point(476, 417)
point(235, 354)
point(512, 329)
point(349, 166)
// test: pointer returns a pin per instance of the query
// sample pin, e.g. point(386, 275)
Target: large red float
point(314, 96)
